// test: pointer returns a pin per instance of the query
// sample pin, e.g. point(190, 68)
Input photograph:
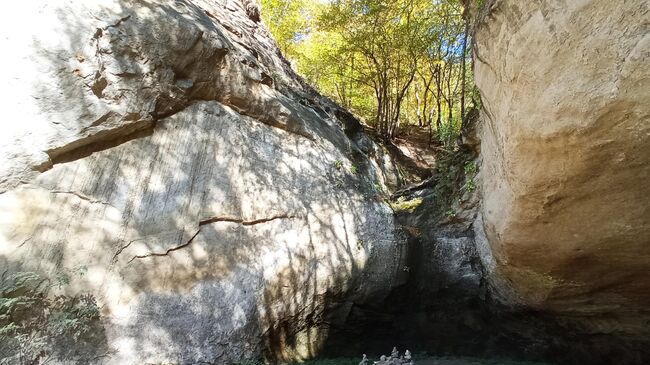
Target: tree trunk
point(418, 116)
point(438, 101)
point(463, 72)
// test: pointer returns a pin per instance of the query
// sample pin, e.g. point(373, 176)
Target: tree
point(390, 62)
point(288, 21)
point(387, 38)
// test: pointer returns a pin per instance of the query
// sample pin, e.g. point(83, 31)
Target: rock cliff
point(223, 209)
point(552, 262)
point(566, 159)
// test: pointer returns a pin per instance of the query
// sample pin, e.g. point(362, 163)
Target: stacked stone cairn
point(393, 359)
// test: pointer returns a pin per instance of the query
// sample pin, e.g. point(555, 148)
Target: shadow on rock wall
point(218, 217)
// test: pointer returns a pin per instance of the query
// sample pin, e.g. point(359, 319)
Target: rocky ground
point(433, 361)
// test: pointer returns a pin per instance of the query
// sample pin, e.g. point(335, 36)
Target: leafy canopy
point(393, 63)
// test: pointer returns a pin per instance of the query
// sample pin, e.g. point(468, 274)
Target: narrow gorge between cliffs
point(250, 182)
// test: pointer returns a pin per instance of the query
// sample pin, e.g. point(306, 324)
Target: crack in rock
point(119, 251)
point(80, 196)
point(25, 241)
point(119, 21)
point(202, 223)
point(163, 253)
point(244, 222)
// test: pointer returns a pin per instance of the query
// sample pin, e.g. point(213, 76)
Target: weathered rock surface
point(552, 263)
point(168, 147)
point(566, 159)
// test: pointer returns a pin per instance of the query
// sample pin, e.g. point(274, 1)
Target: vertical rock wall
point(566, 159)
point(168, 147)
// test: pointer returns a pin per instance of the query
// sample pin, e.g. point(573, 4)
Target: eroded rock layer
point(167, 147)
point(566, 159)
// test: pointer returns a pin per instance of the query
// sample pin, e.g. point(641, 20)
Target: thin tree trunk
point(438, 97)
point(463, 72)
point(418, 116)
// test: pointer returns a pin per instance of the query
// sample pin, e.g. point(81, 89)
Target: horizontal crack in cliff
point(202, 223)
point(161, 253)
point(244, 222)
point(80, 196)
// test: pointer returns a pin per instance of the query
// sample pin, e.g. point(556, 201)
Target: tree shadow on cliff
point(181, 215)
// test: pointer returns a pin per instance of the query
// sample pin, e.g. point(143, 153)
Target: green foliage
point(470, 168)
point(289, 21)
point(455, 172)
point(338, 164)
point(35, 323)
point(403, 205)
point(470, 171)
point(354, 170)
point(470, 185)
point(390, 62)
point(448, 132)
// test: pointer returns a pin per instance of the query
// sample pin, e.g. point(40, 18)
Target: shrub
point(37, 325)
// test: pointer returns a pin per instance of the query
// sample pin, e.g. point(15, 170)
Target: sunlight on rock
point(236, 181)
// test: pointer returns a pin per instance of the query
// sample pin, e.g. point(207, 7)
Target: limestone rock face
point(169, 148)
point(566, 157)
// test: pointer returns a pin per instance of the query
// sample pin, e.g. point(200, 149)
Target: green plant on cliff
point(37, 323)
point(470, 172)
point(455, 173)
point(403, 205)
